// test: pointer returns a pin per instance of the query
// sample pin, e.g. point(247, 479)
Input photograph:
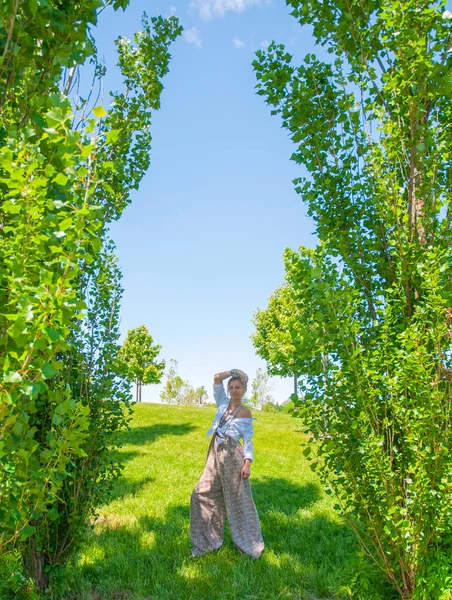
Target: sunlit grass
point(140, 547)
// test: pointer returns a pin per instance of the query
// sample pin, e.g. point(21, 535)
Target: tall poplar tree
point(67, 170)
point(372, 132)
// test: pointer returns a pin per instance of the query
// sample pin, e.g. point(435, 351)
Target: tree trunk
point(295, 384)
point(35, 563)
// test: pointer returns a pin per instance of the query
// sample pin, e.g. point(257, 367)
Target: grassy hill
point(139, 548)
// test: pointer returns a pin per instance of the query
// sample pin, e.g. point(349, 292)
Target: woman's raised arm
point(219, 377)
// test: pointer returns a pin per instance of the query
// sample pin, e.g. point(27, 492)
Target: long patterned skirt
point(222, 492)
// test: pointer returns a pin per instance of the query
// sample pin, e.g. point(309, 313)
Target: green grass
point(140, 547)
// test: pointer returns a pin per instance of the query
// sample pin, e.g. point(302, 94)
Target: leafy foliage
point(371, 331)
point(62, 400)
point(139, 354)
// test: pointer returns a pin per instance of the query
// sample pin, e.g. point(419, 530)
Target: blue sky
point(201, 244)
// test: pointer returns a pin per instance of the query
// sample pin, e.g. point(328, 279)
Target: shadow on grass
point(283, 496)
point(148, 434)
point(123, 487)
point(305, 556)
point(124, 455)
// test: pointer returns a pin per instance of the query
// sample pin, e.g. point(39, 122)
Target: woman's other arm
point(246, 470)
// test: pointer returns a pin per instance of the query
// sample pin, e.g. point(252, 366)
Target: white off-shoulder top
point(235, 428)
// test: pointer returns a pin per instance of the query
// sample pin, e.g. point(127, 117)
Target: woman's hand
point(243, 376)
point(246, 471)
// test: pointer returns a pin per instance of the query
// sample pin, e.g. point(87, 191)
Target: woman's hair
point(238, 379)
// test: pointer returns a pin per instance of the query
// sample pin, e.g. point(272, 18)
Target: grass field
point(140, 547)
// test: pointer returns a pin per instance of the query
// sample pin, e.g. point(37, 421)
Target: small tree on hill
point(260, 390)
point(139, 354)
point(173, 389)
point(194, 396)
point(178, 391)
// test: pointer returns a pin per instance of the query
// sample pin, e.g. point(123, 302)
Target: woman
point(224, 487)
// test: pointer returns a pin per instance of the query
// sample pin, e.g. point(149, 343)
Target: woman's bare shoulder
point(244, 413)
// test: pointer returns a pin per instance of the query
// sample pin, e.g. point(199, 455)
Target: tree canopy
point(139, 354)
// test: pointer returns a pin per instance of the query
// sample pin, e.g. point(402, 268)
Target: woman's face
point(236, 389)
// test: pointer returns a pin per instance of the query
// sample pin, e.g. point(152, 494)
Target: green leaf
point(52, 514)
point(61, 179)
point(11, 207)
point(47, 370)
point(49, 170)
point(57, 419)
point(112, 136)
point(33, 6)
point(53, 334)
point(11, 317)
point(27, 531)
point(65, 224)
point(99, 111)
